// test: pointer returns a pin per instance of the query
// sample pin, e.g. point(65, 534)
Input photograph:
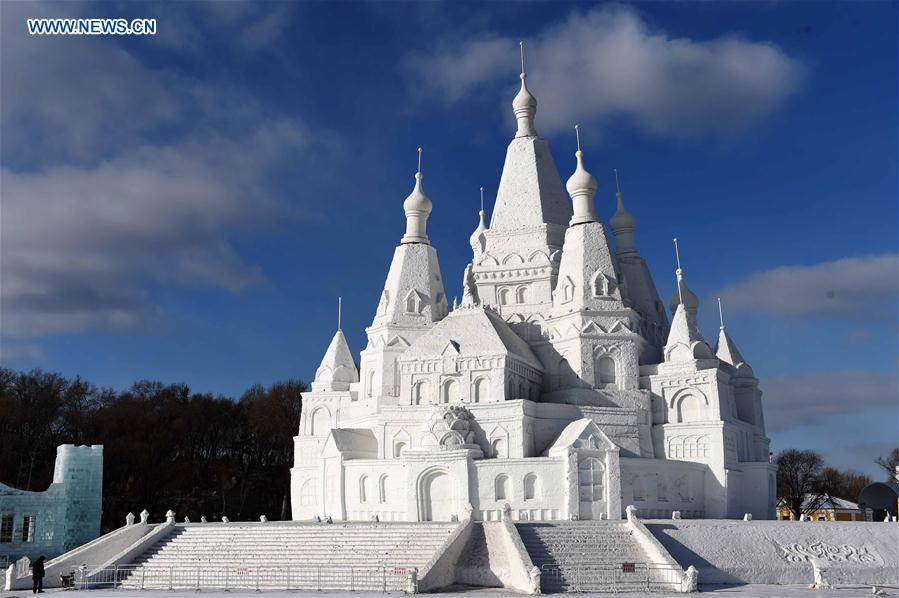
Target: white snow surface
point(781, 552)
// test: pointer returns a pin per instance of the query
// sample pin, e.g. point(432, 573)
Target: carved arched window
point(479, 390)
point(371, 383)
point(419, 392)
point(450, 391)
point(605, 370)
point(531, 486)
point(504, 295)
point(309, 492)
point(689, 408)
point(602, 285)
point(363, 488)
point(383, 488)
point(398, 448)
point(521, 295)
point(498, 448)
point(412, 303)
point(503, 487)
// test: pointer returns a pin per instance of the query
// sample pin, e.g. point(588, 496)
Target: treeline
point(804, 480)
point(165, 447)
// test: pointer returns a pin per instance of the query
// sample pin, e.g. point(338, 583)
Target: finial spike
point(521, 47)
point(419, 160)
point(680, 292)
point(482, 199)
point(617, 182)
point(577, 132)
point(720, 313)
point(339, 311)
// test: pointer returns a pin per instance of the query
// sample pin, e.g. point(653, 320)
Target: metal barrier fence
point(235, 577)
point(606, 577)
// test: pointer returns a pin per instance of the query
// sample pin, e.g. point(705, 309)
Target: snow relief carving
point(797, 553)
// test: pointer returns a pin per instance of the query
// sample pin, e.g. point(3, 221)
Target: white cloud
point(80, 244)
point(803, 399)
point(856, 286)
point(607, 63)
point(119, 177)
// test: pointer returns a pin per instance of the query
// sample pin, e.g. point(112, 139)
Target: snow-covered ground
point(745, 591)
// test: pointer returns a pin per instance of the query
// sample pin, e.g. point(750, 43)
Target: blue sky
point(187, 207)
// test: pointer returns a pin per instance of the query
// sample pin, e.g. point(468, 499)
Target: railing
point(149, 577)
point(611, 577)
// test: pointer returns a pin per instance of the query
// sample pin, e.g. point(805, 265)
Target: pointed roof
point(530, 191)
point(685, 342)
point(726, 350)
point(337, 370)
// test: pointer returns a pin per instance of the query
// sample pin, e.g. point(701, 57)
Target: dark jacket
point(37, 571)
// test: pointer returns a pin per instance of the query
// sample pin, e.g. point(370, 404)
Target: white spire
point(623, 223)
point(417, 207)
point(582, 188)
point(524, 105)
point(477, 239)
point(726, 350)
point(337, 369)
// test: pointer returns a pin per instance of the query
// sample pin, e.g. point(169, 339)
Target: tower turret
point(477, 240)
point(338, 369)
point(417, 207)
point(524, 105)
point(581, 187)
point(623, 224)
point(726, 350)
point(685, 341)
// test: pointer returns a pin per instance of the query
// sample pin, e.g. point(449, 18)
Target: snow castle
point(557, 387)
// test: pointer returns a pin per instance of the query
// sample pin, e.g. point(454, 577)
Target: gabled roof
point(472, 332)
point(829, 503)
point(577, 434)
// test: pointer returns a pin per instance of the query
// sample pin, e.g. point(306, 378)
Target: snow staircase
point(592, 556)
point(290, 555)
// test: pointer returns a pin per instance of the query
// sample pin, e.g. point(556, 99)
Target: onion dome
point(623, 223)
point(683, 295)
point(524, 105)
point(581, 187)
point(477, 238)
point(417, 207)
point(622, 219)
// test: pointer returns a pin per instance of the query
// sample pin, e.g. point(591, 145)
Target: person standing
point(37, 575)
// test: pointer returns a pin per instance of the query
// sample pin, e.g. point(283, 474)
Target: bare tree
point(889, 464)
point(846, 484)
point(803, 483)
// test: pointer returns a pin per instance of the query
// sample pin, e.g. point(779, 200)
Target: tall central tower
point(517, 268)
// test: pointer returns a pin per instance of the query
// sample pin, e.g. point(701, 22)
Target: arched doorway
point(436, 496)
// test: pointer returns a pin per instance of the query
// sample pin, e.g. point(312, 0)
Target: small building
point(831, 509)
point(64, 516)
point(879, 500)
